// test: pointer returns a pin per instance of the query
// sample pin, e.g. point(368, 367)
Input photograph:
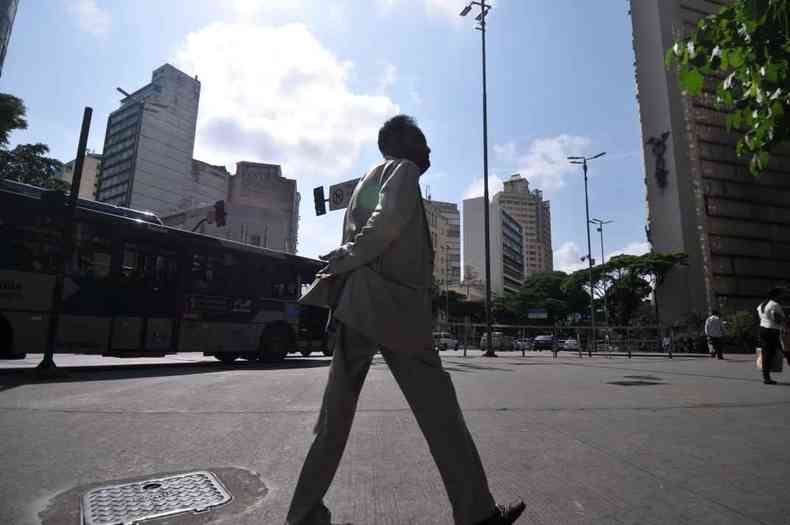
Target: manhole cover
point(633, 383)
point(153, 498)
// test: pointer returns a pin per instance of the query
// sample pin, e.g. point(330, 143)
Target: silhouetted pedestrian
point(714, 330)
point(378, 284)
point(772, 320)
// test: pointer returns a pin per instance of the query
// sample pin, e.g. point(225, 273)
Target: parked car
point(571, 345)
point(444, 340)
point(544, 342)
point(500, 340)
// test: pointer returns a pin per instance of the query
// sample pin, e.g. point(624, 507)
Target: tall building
point(438, 226)
point(701, 198)
point(445, 222)
point(534, 215)
point(90, 168)
point(7, 16)
point(261, 206)
point(506, 237)
point(148, 145)
point(206, 185)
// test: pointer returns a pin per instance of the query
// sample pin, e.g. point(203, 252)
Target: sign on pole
point(340, 194)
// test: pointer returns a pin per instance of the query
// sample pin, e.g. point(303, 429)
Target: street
point(602, 440)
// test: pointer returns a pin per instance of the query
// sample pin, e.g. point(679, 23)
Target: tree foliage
point(26, 163)
point(745, 51)
point(12, 116)
point(625, 281)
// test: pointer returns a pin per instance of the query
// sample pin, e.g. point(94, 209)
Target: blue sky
point(307, 83)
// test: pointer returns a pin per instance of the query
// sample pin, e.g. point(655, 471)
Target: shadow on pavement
point(13, 377)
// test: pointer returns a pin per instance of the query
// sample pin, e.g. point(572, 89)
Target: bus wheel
point(226, 357)
point(275, 343)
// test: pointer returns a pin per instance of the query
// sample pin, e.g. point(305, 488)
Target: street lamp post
point(583, 162)
point(446, 284)
point(481, 18)
point(601, 224)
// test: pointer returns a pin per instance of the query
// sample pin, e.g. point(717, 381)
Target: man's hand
point(334, 254)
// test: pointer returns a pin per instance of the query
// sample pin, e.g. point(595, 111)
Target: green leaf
point(736, 57)
point(691, 80)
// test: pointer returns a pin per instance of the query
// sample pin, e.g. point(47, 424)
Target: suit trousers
point(429, 391)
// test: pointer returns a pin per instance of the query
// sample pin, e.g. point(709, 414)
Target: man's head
point(400, 137)
point(714, 312)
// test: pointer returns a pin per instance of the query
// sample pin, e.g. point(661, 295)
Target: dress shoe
point(769, 381)
point(505, 514)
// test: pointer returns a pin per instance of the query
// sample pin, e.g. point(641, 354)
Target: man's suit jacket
point(380, 285)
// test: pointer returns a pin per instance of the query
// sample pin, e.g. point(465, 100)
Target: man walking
point(714, 330)
point(378, 286)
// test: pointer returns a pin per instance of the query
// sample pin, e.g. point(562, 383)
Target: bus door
point(144, 309)
point(88, 288)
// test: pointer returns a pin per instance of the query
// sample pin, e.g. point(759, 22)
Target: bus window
point(148, 266)
point(92, 253)
point(148, 280)
point(211, 274)
point(29, 248)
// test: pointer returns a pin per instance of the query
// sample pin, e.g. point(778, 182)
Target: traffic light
point(320, 201)
point(219, 213)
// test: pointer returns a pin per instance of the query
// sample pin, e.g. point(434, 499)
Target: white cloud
point(294, 107)
point(544, 162)
point(415, 97)
point(567, 258)
point(90, 17)
point(476, 188)
point(634, 248)
point(388, 78)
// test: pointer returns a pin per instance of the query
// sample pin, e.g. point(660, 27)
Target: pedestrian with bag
point(378, 285)
point(772, 321)
point(714, 330)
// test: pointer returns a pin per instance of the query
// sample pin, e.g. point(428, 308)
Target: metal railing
point(608, 339)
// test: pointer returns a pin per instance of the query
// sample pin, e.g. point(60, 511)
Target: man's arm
point(397, 203)
point(397, 200)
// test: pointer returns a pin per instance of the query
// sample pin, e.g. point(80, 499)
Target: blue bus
point(134, 287)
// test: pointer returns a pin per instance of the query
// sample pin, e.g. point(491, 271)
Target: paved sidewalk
point(605, 440)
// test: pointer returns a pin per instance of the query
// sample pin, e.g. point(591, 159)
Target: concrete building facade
point(506, 245)
point(261, 206)
point(701, 199)
point(90, 169)
point(206, 185)
point(149, 143)
point(534, 215)
point(7, 16)
point(444, 222)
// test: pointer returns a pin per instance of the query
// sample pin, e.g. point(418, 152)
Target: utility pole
point(446, 283)
point(601, 224)
point(47, 365)
point(481, 18)
point(583, 162)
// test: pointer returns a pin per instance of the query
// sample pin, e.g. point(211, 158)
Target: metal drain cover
point(153, 498)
